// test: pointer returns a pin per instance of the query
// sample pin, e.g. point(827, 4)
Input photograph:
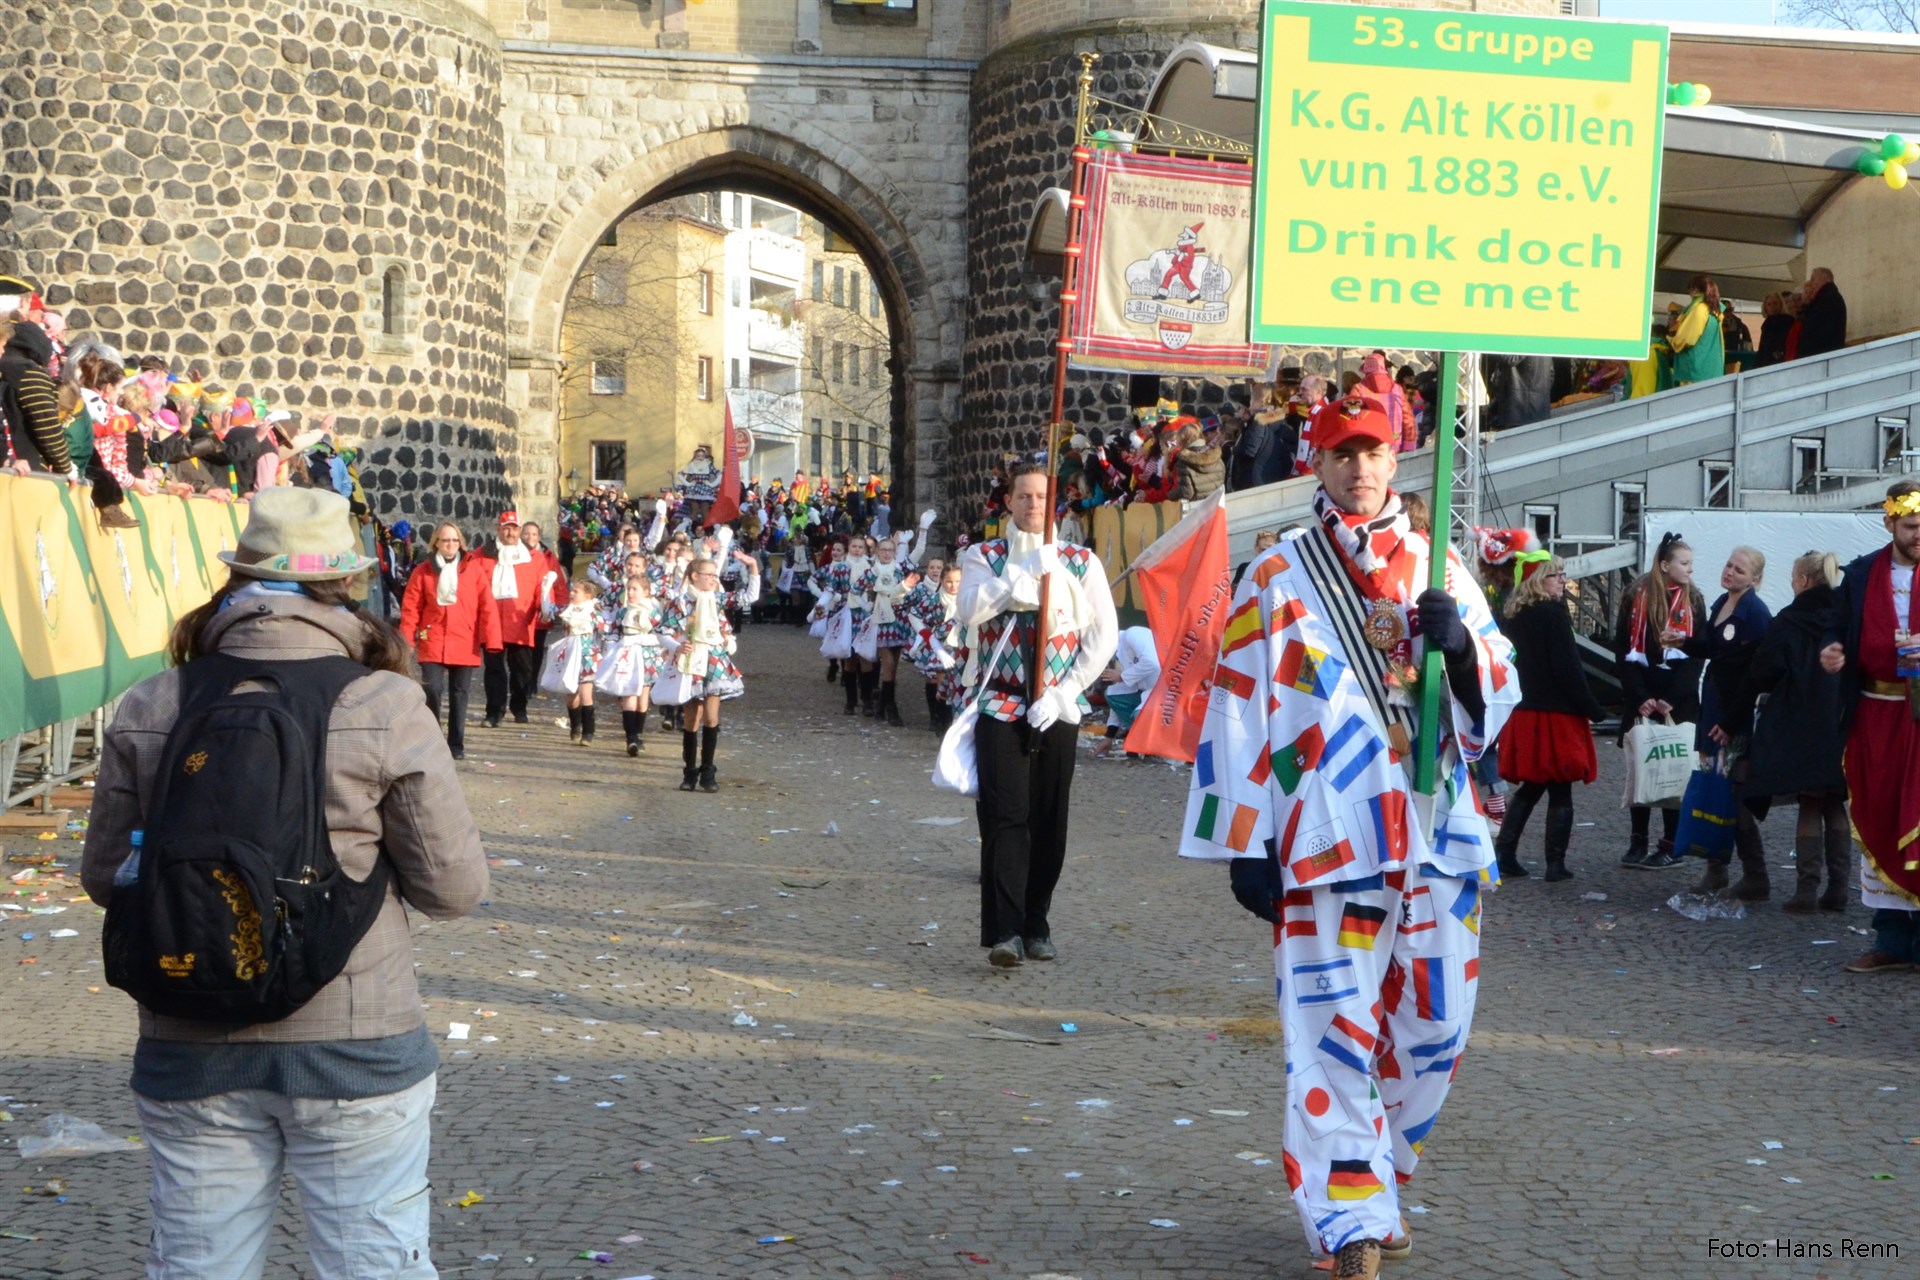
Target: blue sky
point(1748, 13)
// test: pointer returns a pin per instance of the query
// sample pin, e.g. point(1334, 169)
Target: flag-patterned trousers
point(1376, 981)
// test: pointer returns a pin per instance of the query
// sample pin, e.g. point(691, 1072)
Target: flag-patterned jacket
point(1295, 761)
point(1074, 657)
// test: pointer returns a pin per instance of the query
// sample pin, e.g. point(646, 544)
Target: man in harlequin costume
point(1303, 783)
point(1880, 656)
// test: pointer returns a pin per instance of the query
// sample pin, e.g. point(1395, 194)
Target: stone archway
point(829, 179)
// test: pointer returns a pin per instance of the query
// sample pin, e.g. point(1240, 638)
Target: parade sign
point(1164, 285)
point(1457, 181)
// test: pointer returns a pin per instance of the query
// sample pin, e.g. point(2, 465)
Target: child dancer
point(639, 616)
point(584, 623)
point(694, 627)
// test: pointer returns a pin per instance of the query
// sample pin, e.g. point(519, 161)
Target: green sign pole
point(1433, 662)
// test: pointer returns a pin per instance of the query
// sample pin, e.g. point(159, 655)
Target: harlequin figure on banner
point(1302, 782)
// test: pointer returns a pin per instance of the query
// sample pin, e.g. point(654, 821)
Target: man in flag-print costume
point(1303, 783)
point(1024, 746)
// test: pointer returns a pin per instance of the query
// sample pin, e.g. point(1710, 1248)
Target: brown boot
point(1714, 881)
point(1806, 885)
point(1839, 859)
point(1358, 1260)
point(117, 518)
point(1753, 886)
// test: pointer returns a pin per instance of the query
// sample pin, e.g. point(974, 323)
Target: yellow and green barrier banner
point(87, 611)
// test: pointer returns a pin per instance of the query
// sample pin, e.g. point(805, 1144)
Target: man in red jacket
point(519, 580)
point(448, 616)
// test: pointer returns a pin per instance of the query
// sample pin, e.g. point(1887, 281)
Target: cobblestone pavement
point(699, 1022)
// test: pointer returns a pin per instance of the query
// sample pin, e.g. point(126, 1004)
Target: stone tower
point(303, 198)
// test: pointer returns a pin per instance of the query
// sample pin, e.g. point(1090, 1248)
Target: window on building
point(817, 442)
point(853, 292)
point(733, 373)
point(820, 359)
point(873, 301)
point(839, 361)
point(703, 377)
point(819, 280)
point(873, 366)
point(1629, 505)
point(837, 463)
point(839, 286)
point(733, 290)
point(608, 377)
point(853, 365)
point(609, 462)
point(1716, 484)
point(704, 291)
point(739, 210)
point(393, 302)
point(853, 450)
point(609, 282)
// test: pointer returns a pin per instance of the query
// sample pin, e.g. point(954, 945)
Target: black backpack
point(239, 912)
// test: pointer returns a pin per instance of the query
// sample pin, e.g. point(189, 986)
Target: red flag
point(726, 505)
point(1187, 584)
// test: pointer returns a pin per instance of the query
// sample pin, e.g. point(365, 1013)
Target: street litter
point(1772, 1146)
point(774, 1240)
point(745, 1020)
point(467, 1201)
point(458, 1030)
point(1706, 906)
point(1161, 1222)
point(592, 1255)
point(1235, 1114)
point(1093, 1103)
point(1069, 1027)
point(1593, 897)
point(938, 822)
point(70, 1136)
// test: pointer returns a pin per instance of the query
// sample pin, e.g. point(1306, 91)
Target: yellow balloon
point(1702, 95)
point(1911, 156)
point(1896, 175)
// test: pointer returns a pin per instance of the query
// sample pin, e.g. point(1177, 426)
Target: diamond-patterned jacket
point(1074, 657)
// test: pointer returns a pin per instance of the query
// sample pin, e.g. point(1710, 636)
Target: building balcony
point(771, 334)
point(781, 257)
point(766, 413)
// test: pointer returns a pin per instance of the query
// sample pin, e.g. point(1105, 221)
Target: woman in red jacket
point(449, 616)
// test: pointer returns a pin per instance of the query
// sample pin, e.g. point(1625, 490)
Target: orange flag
point(1187, 584)
point(726, 504)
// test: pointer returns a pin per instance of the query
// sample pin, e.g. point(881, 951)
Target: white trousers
point(1376, 986)
point(359, 1164)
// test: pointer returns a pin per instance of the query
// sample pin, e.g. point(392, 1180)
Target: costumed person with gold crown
point(1880, 659)
point(1303, 784)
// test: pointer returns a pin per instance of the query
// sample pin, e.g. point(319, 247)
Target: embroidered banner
point(1164, 285)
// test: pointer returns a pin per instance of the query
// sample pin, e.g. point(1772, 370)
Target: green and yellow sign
point(1457, 181)
point(85, 612)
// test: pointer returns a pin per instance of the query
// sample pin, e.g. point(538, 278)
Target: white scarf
point(886, 585)
point(857, 567)
point(703, 633)
point(1065, 598)
point(505, 587)
point(447, 590)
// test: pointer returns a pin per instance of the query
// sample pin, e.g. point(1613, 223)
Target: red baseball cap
point(1356, 417)
point(509, 517)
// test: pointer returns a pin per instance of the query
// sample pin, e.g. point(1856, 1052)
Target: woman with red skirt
point(1547, 745)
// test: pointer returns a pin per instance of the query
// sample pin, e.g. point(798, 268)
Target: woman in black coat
point(1547, 745)
point(1736, 623)
point(1657, 623)
point(1797, 735)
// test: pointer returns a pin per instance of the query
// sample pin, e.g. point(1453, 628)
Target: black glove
point(1440, 623)
point(1256, 885)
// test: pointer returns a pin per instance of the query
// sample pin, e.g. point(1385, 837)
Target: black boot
point(1506, 847)
point(586, 725)
point(1559, 836)
point(933, 705)
point(631, 722)
point(833, 670)
point(850, 685)
point(573, 724)
point(709, 738)
point(1839, 858)
point(689, 771)
point(1753, 886)
point(889, 706)
point(870, 693)
point(1637, 845)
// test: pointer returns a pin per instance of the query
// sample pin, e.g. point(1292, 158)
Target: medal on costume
point(1384, 628)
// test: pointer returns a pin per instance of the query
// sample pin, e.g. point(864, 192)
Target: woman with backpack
point(248, 1076)
point(1797, 739)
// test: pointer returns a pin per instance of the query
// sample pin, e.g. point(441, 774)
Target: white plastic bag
point(837, 644)
point(672, 687)
point(956, 768)
point(866, 640)
point(560, 673)
point(72, 1136)
point(1659, 762)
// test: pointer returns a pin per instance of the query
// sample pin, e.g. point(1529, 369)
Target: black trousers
point(1026, 779)
point(509, 680)
point(441, 681)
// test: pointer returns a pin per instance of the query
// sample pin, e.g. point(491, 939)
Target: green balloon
point(1685, 93)
point(1872, 166)
point(1893, 146)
